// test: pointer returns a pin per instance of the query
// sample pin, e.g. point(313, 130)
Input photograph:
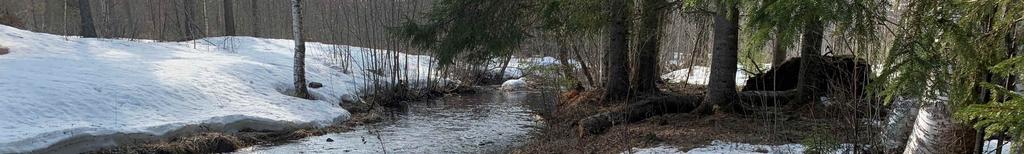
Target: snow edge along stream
point(61, 92)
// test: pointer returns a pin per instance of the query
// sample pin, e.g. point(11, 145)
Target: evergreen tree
point(652, 21)
point(616, 58)
point(785, 20)
point(479, 30)
point(946, 52)
point(724, 60)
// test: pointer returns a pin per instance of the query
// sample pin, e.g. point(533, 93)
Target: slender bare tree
point(300, 51)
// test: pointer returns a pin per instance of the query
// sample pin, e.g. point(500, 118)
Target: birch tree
point(300, 51)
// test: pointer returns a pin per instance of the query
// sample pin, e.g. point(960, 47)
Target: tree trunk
point(500, 77)
point(300, 51)
point(899, 126)
point(88, 28)
point(192, 30)
point(255, 18)
point(229, 18)
point(722, 87)
point(810, 52)
point(645, 73)
point(567, 68)
point(778, 52)
point(583, 66)
point(1018, 146)
point(616, 71)
point(935, 131)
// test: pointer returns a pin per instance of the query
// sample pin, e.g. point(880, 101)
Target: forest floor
point(679, 130)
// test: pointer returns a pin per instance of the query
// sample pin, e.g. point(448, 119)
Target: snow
point(54, 88)
point(990, 147)
point(663, 149)
point(719, 147)
point(518, 66)
point(700, 76)
point(510, 72)
point(514, 84)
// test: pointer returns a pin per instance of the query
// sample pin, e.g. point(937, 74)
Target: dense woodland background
point(349, 22)
point(955, 57)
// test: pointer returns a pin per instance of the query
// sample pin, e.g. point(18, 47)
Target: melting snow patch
point(663, 149)
point(514, 84)
point(58, 87)
point(990, 147)
point(510, 73)
point(729, 147)
point(518, 67)
point(700, 76)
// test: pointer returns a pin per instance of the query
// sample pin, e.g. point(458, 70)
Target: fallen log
point(644, 109)
point(747, 100)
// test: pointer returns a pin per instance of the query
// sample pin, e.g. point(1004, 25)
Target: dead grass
point(684, 131)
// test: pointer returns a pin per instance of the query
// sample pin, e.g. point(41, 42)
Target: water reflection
point(485, 122)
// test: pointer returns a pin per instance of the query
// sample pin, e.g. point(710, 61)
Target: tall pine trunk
point(810, 52)
point(192, 30)
point(722, 87)
point(254, 6)
point(936, 132)
point(300, 51)
point(88, 28)
point(645, 73)
point(229, 18)
point(616, 55)
point(583, 65)
point(778, 52)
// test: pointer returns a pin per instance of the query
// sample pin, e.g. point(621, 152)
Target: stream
point(485, 122)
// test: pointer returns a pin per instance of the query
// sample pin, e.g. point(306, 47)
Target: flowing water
point(486, 122)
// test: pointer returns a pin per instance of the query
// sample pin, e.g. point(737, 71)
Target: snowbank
point(700, 76)
point(990, 147)
point(517, 67)
point(663, 149)
point(514, 84)
point(54, 88)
